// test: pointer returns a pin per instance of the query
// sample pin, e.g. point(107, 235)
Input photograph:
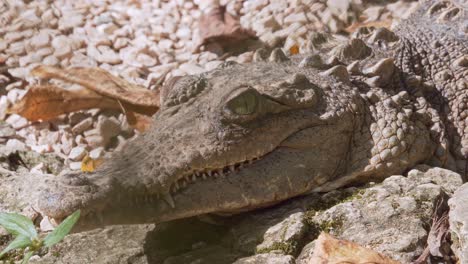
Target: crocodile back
point(435, 48)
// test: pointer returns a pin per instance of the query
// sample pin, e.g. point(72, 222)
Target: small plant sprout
point(26, 236)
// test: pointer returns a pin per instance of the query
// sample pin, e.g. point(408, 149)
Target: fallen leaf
point(294, 49)
point(89, 165)
point(329, 250)
point(218, 26)
point(46, 102)
point(104, 83)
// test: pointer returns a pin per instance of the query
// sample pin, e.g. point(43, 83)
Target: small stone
point(77, 153)
point(211, 65)
point(107, 29)
point(44, 51)
point(120, 43)
point(295, 18)
point(62, 47)
point(107, 55)
point(29, 59)
point(19, 72)
point(184, 33)
point(96, 153)
point(83, 125)
point(40, 40)
point(75, 165)
point(47, 224)
point(3, 107)
point(16, 121)
point(81, 60)
point(146, 60)
point(70, 21)
point(51, 60)
point(95, 141)
point(108, 127)
point(41, 149)
point(191, 69)
point(39, 168)
point(6, 131)
point(15, 145)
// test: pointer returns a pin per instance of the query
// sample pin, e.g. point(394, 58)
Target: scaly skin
point(247, 136)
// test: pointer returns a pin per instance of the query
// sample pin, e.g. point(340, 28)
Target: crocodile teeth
point(168, 198)
point(194, 176)
point(232, 168)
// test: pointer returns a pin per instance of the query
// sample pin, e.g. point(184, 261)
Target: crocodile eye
point(245, 103)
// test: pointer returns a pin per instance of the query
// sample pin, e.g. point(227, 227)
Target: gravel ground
point(143, 42)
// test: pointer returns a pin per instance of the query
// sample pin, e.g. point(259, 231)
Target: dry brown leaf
point(89, 165)
point(138, 121)
point(218, 26)
point(329, 250)
point(103, 83)
point(46, 102)
point(377, 24)
point(294, 49)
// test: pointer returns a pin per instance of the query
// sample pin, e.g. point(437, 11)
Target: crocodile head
point(233, 139)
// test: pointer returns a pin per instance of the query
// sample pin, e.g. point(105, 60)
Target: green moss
point(289, 248)
point(332, 225)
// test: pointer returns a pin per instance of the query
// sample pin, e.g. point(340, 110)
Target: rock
point(107, 29)
point(95, 141)
point(15, 145)
point(190, 68)
point(29, 59)
point(70, 21)
point(17, 121)
point(96, 153)
point(390, 217)
point(41, 148)
point(39, 168)
point(283, 235)
point(85, 124)
point(108, 127)
point(16, 48)
point(6, 131)
point(46, 225)
point(40, 40)
point(120, 43)
point(146, 60)
point(19, 72)
point(458, 217)
point(80, 60)
point(75, 165)
point(44, 51)
point(51, 60)
point(3, 107)
point(268, 258)
point(107, 55)
point(77, 153)
point(62, 47)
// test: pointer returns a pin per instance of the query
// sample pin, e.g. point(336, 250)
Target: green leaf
point(26, 257)
point(19, 242)
point(62, 230)
point(18, 225)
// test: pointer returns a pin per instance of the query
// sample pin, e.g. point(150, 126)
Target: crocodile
point(246, 136)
